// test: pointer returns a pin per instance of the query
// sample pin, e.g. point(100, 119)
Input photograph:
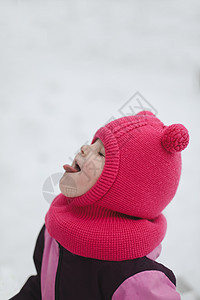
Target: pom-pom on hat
point(120, 217)
point(175, 138)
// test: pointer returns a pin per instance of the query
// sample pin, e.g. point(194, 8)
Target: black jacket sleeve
point(32, 288)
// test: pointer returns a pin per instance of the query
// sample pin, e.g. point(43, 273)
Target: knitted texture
point(120, 217)
point(175, 138)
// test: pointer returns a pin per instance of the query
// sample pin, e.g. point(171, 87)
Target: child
point(103, 232)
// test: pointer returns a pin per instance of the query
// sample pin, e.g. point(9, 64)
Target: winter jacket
point(62, 275)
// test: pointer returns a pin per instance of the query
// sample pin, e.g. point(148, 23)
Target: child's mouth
point(71, 169)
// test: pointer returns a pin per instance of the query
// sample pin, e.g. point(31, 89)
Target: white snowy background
point(66, 67)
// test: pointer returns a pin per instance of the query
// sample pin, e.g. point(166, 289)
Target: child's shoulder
point(137, 276)
point(127, 268)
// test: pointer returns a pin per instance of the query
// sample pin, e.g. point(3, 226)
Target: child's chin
point(69, 190)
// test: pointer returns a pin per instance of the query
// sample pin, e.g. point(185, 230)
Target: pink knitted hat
point(120, 217)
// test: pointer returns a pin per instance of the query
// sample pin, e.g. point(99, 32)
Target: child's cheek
point(93, 168)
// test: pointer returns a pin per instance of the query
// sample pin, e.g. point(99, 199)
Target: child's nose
point(84, 149)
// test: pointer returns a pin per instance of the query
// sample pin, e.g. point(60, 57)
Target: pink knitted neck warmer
point(120, 217)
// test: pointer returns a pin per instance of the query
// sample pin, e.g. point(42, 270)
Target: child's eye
point(101, 154)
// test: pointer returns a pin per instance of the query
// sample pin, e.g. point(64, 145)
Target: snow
point(66, 68)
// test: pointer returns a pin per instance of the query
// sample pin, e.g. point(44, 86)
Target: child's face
point(91, 161)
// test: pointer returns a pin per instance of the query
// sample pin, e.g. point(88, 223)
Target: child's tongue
point(70, 169)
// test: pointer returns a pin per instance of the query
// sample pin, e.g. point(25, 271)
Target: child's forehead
point(98, 141)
